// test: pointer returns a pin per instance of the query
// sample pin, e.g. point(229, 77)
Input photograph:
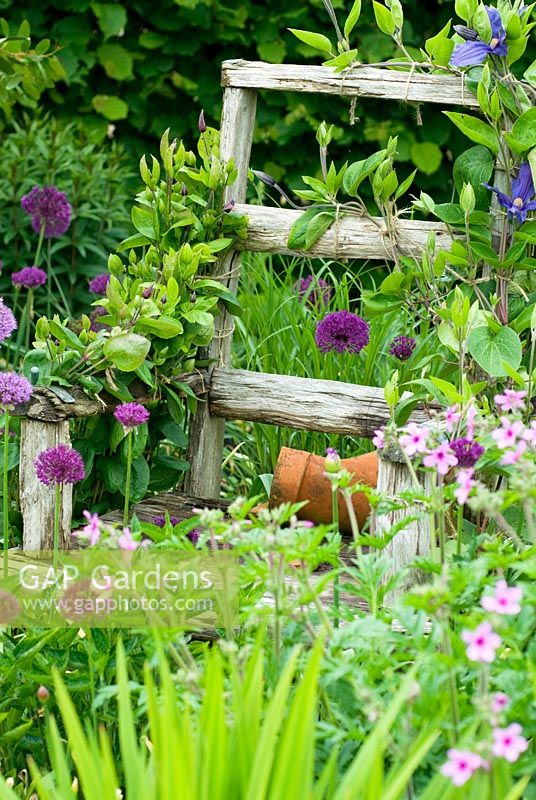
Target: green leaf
point(489, 349)
point(110, 106)
point(384, 18)
point(127, 351)
point(426, 156)
point(116, 61)
point(475, 166)
point(142, 219)
point(359, 170)
point(164, 327)
point(475, 129)
point(300, 237)
point(137, 240)
point(524, 129)
point(352, 18)
point(440, 47)
point(342, 61)
point(111, 18)
point(316, 40)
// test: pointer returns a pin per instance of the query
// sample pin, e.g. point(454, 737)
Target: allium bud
point(333, 461)
point(42, 694)
point(202, 125)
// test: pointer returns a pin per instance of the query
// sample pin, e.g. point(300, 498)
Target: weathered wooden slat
point(206, 433)
point(359, 81)
point(37, 500)
point(348, 237)
point(305, 403)
point(180, 506)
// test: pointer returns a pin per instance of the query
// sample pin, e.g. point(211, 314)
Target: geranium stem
point(336, 584)
point(127, 479)
point(5, 492)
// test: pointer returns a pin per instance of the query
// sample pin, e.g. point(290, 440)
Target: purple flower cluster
point(8, 323)
point(130, 415)
point(343, 332)
point(49, 209)
point(467, 451)
point(402, 347)
point(160, 520)
point(60, 464)
point(29, 278)
point(14, 390)
point(98, 311)
point(315, 291)
point(98, 284)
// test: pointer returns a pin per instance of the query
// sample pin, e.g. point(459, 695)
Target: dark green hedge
point(144, 65)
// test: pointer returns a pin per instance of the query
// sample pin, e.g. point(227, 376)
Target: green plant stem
point(453, 690)
point(5, 493)
point(353, 521)
point(57, 510)
point(39, 245)
point(459, 529)
point(127, 479)
point(440, 518)
point(336, 581)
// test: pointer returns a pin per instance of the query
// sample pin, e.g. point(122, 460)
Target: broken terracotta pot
point(300, 476)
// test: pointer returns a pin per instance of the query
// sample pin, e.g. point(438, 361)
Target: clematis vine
point(520, 203)
point(474, 50)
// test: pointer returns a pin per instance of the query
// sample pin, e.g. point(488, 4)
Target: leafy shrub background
point(144, 66)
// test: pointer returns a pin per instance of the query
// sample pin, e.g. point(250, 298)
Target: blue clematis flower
point(475, 51)
point(520, 203)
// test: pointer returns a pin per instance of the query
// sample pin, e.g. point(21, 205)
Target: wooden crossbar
point(358, 81)
point(304, 403)
point(348, 237)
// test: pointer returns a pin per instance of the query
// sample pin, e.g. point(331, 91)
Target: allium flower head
point(343, 332)
point(520, 203)
point(29, 278)
point(481, 643)
point(14, 390)
point(130, 415)
point(466, 451)
point(461, 766)
point(98, 284)
point(60, 464)
point(475, 51)
point(506, 599)
point(315, 291)
point(402, 347)
point(508, 742)
point(50, 208)
point(8, 323)
point(160, 520)
point(96, 326)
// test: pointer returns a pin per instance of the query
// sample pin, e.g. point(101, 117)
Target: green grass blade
point(399, 777)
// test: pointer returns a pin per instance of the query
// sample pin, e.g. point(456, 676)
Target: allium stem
point(459, 528)
point(57, 509)
point(5, 492)
point(39, 244)
point(336, 582)
point(127, 479)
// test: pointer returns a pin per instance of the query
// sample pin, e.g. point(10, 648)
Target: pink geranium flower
point(504, 601)
point(126, 541)
point(442, 459)
point(461, 766)
point(470, 421)
point(499, 702)
point(510, 400)
point(508, 742)
point(513, 456)
point(92, 529)
point(452, 417)
point(378, 440)
point(508, 434)
point(414, 439)
point(481, 643)
point(466, 483)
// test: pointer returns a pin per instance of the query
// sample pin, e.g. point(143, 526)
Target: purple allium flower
point(466, 451)
point(98, 284)
point(60, 464)
point(8, 323)
point(50, 208)
point(315, 291)
point(520, 203)
point(342, 331)
point(160, 520)
point(402, 347)
point(14, 390)
point(474, 51)
point(130, 415)
point(29, 278)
